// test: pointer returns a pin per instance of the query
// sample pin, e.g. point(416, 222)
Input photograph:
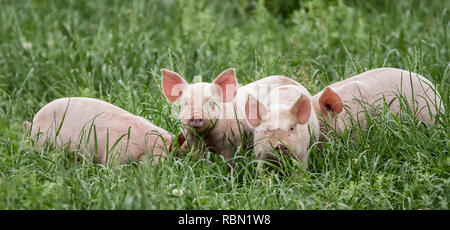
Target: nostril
point(200, 122)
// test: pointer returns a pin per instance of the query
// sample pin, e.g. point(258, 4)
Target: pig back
point(260, 89)
point(94, 125)
point(286, 95)
point(390, 83)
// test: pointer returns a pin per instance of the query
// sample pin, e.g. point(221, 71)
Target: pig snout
point(196, 122)
point(281, 149)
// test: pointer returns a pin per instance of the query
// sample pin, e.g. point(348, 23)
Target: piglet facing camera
point(204, 108)
point(106, 132)
point(284, 122)
point(199, 101)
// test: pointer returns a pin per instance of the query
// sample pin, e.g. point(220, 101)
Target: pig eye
point(291, 129)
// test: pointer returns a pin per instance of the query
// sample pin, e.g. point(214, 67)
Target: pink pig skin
point(220, 125)
point(370, 87)
point(284, 120)
point(144, 137)
point(225, 128)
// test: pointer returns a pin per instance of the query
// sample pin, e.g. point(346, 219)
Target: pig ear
point(253, 110)
point(302, 109)
point(172, 84)
point(180, 140)
point(228, 84)
point(330, 101)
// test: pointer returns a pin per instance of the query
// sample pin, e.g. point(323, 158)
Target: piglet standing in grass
point(348, 99)
point(284, 121)
point(213, 113)
point(106, 132)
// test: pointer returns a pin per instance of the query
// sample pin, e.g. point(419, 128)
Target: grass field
point(114, 50)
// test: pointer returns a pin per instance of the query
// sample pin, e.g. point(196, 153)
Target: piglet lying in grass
point(284, 121)
point(107, 132)
point(214, 112)
point(345, 100)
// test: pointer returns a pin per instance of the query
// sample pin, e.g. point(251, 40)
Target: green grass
point(113, 50)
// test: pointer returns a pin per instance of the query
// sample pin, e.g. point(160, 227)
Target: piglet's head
point(280, 128)
point(200, 103)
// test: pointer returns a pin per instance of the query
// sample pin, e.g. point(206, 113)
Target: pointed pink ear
point(172, 84)
point(302, 109)
point(253, 110)
point(330, 101)
point(228, 83)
